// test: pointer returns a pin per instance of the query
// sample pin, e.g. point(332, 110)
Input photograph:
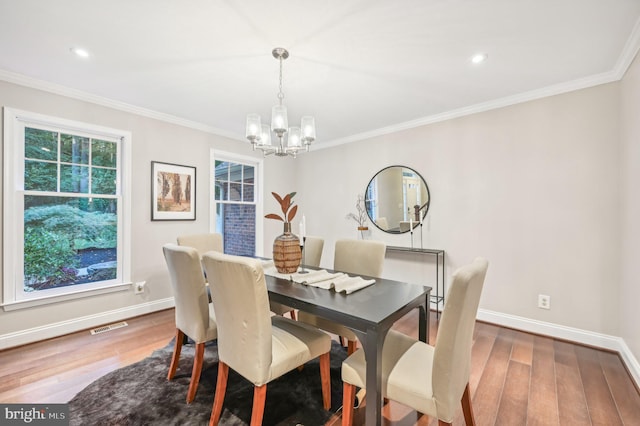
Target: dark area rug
point(140, 394)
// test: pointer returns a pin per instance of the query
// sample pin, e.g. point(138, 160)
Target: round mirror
point(397, 197)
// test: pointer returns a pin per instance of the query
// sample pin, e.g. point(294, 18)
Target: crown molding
point(625, 59)
point(58, 89)
point(544, 92)
point(629, 52)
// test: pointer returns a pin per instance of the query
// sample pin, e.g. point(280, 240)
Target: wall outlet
point(544, 301)
point(138, 288)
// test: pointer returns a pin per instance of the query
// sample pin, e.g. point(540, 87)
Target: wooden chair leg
point(195, 373)
point(351, 346)
point(293, 314)
point(177, 348)
point(348, 398)
point(221, 389)
point(441, 423)
point(259, 399)
point(467, 410)
point(325, 377)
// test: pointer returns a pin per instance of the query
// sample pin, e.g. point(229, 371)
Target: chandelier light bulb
point(265, 136)
point(308, 126)
point(279, 122)
point(253, 127)
point(294, 138)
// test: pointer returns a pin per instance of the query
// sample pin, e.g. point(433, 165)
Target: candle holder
point(303, 250)
point(411, 231)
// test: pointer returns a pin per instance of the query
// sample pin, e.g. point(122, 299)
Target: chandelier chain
point(280, 93)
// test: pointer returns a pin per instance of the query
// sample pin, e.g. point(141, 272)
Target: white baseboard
point(630, 361)
point(48, 331)
point(572, 334)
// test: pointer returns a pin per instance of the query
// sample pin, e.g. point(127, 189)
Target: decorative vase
point(286, 251)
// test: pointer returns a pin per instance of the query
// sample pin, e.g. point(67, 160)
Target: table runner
point(338, 281)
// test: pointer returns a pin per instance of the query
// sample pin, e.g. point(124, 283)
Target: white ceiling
point(361, 67)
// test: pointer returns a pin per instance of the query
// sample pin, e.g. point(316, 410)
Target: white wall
point(532, 187)
point(630, 217)
point(153, 140)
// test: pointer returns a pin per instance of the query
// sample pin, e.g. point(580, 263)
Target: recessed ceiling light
point(78, 51)
point(478, 58)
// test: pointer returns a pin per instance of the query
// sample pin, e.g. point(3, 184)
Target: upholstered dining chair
point(202, 242)
point(313, 250)
point(430, 379)
point(258, 346)
point(359, 257)
point(195, 316)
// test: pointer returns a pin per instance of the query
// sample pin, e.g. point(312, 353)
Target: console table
point(440, 258)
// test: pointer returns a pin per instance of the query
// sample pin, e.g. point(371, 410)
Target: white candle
point(411, 223)
point(304, 226)
point(419, 213)
point(301, 232)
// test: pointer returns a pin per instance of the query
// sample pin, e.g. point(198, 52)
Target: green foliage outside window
point(54, 235)
point(57, 230)
point(40, 144)
point(48, 258)
point(40, 176)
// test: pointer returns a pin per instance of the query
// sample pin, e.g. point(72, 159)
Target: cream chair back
point(452, 354)
point(202, 242)
point(313, 251)
point(361, 257)
point(189, 292)
point(240, 299)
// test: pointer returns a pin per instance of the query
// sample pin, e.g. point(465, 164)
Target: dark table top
point(380, 304)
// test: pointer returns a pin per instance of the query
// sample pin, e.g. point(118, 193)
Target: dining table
point(369, 312)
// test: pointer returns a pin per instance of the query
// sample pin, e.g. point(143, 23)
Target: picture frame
point(173, 191)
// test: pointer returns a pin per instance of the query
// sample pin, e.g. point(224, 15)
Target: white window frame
point(258, 163)
point(13, 296)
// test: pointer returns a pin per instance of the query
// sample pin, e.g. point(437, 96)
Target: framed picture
point(173, 193)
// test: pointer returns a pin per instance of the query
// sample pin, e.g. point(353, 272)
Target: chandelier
point(298, 138)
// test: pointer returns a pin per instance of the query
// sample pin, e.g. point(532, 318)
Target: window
point(235, 188)
point(65, 211)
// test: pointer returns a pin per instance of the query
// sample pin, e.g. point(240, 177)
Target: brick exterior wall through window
point(239, 229)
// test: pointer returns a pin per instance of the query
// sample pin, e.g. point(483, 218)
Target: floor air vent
point(109, 327)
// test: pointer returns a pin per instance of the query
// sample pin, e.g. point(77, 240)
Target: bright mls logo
point(34, 414)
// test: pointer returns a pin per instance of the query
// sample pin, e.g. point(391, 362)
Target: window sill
point(30, 303)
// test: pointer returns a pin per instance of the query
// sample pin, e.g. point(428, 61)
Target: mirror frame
point(423, 211)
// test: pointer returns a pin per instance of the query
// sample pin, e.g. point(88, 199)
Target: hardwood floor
point(516, 378)
point(54, 370)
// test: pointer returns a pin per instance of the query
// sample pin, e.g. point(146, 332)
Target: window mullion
point(59, 166)
point(90, 189)
point(242, 182)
